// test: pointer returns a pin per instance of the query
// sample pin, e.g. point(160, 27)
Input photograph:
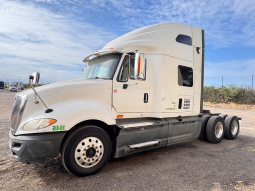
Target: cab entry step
point(145, 144)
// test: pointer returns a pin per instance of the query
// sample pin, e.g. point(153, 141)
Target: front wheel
point(86, 150)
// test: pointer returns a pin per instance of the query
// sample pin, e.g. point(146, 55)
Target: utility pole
point(19, 83)
point(222, 90)
point(251, 87)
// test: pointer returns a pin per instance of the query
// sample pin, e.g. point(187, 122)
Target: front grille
point(17, 111)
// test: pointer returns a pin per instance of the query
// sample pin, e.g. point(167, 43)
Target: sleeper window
point(185, 76)
point(184, 39)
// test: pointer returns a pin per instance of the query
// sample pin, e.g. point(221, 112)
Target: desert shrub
point(34, 85)
point(229, 93)
point(212, 94)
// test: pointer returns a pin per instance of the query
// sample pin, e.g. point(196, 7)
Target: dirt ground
point(195, 165)
point(231, 106)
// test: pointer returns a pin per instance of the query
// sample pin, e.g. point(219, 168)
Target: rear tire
point(202, 134)
point(86, 150)
point(215, 129)
point(223, 116)
point(231, 127)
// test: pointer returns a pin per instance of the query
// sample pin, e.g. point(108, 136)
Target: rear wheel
point(86, 150)
point(215, 129)
point(202, 134)
point(231, 127)
point(223, 116)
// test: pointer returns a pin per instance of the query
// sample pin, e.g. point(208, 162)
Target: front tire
point(86, 150)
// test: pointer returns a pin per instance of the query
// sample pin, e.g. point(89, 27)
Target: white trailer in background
point(12, 86)
point(143, 90)
point(6, 85)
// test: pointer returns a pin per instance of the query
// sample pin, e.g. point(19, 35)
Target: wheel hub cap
point(89, 152)
point(218, 129)
point(234, 127)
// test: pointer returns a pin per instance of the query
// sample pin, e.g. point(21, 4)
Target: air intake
point(186, 104)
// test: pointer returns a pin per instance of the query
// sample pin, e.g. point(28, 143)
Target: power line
point(227, 77)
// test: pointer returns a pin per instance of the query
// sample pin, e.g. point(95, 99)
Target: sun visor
point(102, 52)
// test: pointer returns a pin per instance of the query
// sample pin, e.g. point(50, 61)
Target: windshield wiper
point(105, 78)
point(98, 78)
point(93, 78)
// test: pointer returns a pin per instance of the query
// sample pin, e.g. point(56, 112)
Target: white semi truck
point(141, 91)
point(12, 86)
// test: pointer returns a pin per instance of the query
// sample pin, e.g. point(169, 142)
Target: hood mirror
point(35, 77)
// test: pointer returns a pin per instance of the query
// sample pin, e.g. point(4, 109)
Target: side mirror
point(35, 77)
point(140, 66)
point(84, 68)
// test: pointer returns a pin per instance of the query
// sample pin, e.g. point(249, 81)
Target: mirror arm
point(48, 110)
point(134, 84)
point(125, 86)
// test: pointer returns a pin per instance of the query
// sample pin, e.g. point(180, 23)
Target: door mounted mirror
point(140, 66)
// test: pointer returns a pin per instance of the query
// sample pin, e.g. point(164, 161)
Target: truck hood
point(76, 85)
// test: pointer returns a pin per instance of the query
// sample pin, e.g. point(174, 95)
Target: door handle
point(145, 98)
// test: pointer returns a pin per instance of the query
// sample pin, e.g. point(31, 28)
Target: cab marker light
point(119, 116)
point(51, 121)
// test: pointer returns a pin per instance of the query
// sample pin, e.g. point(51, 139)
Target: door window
point(132, 67)
point(124, 70)
point(127, 69)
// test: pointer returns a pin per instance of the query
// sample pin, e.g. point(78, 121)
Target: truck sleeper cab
point(143, 90)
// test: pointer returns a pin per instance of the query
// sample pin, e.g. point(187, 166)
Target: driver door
point(129, 95)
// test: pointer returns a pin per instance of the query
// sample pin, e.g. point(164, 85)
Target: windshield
point(13, 85)
point(102, 67)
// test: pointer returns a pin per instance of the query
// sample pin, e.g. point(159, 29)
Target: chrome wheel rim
point(219, 130)
point(89, 152)
point(234, 127)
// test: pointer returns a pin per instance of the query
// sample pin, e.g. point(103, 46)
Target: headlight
point(38, 124)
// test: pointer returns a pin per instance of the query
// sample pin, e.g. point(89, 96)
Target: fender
point(71, 112)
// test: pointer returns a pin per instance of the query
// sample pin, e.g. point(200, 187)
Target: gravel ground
point(195, 165)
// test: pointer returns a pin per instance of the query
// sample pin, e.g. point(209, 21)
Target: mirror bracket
point(134, 52)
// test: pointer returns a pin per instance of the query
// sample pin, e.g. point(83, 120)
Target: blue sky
point(53, 36)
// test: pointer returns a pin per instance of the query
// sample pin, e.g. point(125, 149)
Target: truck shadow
point(55, 165)
point(52, 174)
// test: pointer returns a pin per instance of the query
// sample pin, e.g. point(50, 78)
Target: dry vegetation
point(229, 94)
